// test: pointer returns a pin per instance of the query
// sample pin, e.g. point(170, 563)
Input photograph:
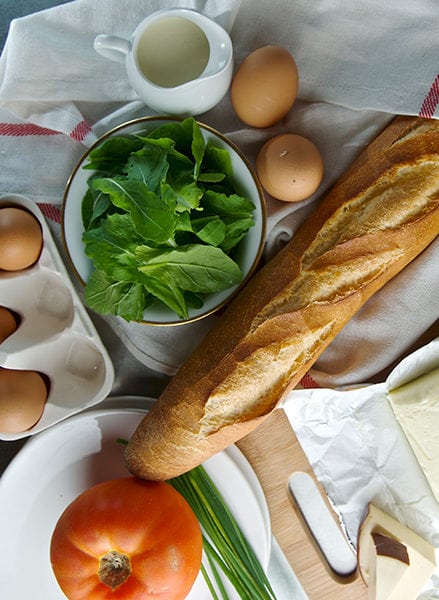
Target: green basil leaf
point(112, 153)
point(194, 300)
point(217, 160)
point(208, 177)
point(181, 183)
point(113, 244)
point(106, 296)
point(151, 216)
point(149, 164)
point(196, 268)
point(179, 132)
point(161, 285)
point(227, 205)
point(183, 222)
point(210, 230)
point(236, 229)
point(94, 206)
point(198, 146)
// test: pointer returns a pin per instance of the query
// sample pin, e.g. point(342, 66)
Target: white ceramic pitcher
point(178, 61)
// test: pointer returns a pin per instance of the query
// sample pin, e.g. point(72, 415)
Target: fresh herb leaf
point(236, 230)
point(193, 300)
point(197, 268)
point(149, 164)
point(198, 147)
point(217, 160)
point(152, 217)
point(106, 296)
point(113, 242)
point(227, 205)
point(209, 177)
point(94, 206)
point(179, 132)
point(235, 211)
point(183, 222)
point(180, 180)
point(112, 153)
point(211, 230)
point(160, 284)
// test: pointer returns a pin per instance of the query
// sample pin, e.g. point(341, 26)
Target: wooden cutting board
point(274, 453)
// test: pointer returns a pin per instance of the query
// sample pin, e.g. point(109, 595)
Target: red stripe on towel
point(431, 100)
point(24, 129)
point(308, 382)
point(81, 130)
point(50, 211)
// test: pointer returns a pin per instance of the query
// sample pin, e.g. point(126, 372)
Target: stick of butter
point(394, 561)
point(416, 407)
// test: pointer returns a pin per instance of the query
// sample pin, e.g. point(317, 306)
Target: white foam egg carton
point(56, 336)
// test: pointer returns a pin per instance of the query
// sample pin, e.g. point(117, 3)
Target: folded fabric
point(365, 55)
point(359, 65)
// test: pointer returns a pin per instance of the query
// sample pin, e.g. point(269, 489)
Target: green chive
point(225, 546)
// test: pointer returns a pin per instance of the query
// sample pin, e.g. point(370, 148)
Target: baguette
point(378, 217)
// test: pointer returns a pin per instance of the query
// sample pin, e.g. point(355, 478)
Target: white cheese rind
point(387, 578)
point(416, 407)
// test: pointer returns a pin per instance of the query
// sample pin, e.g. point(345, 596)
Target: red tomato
point(127, 539)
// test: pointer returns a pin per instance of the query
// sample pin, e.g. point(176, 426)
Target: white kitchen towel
point(359, 64)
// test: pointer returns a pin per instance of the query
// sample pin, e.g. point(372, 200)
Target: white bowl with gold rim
point(249, 250)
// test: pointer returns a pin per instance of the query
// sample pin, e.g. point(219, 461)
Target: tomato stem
point(114, 568)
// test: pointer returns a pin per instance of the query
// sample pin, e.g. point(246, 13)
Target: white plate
point(56, 465)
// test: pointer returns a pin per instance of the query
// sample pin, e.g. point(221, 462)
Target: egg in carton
point(55, 337)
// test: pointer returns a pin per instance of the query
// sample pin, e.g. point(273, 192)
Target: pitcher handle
point(112, 47)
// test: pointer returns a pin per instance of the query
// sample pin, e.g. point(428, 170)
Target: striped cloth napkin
point(359, 63)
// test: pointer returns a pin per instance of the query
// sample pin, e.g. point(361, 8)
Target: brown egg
point(265, 86)
point(21, 239)
point(289, 167)
point(23, 395)
point(8, 323)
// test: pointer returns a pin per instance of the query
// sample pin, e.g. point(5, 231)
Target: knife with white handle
point(329, 537)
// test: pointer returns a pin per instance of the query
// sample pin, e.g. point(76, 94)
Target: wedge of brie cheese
point(416, 407)
point(394, 561)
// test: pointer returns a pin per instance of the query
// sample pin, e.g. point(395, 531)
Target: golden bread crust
point(378, 217)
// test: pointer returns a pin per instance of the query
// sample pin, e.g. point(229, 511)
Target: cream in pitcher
point(178, 61)
point(173, 51)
